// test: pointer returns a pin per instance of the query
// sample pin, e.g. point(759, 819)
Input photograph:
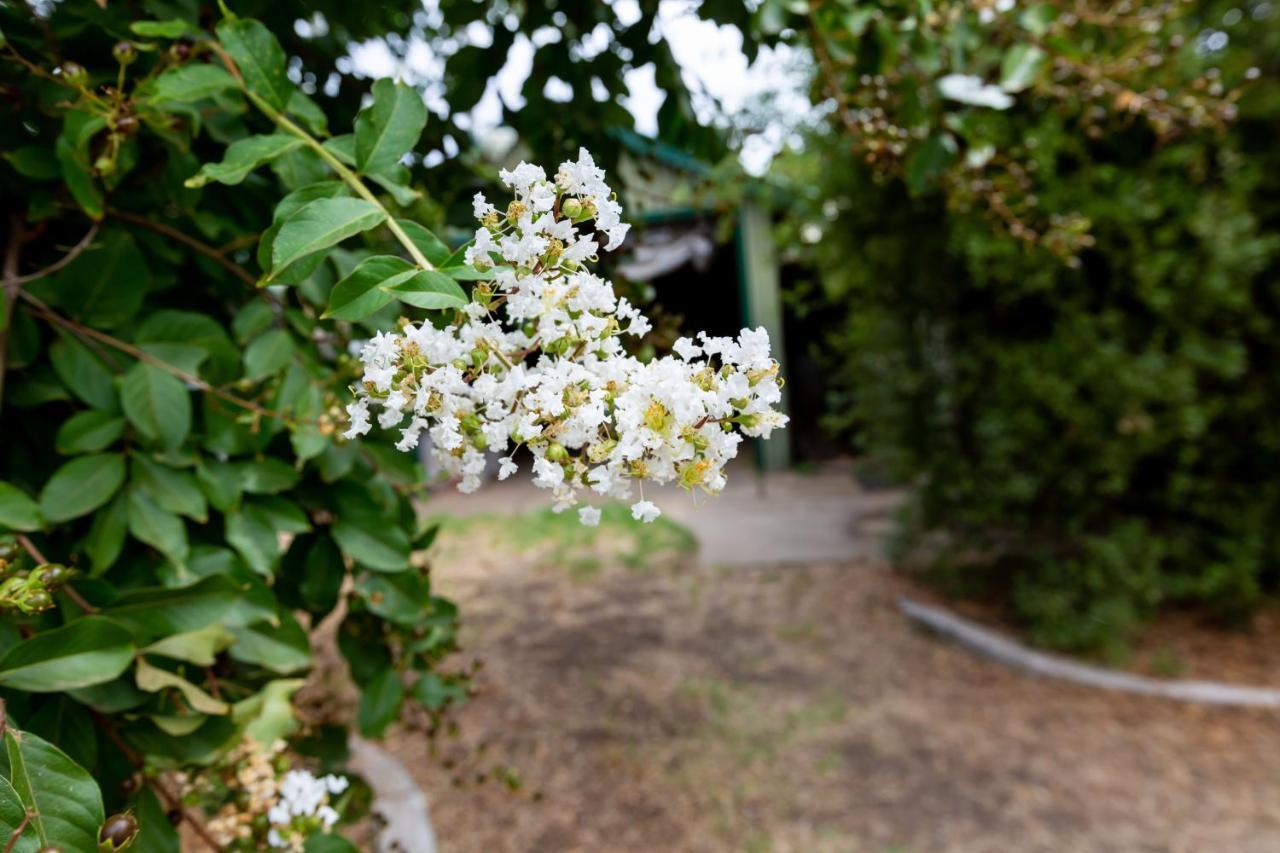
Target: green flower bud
point(36, 602)
point(74, 73)
point(9, 551)
point(124, 52)
point(557, 453)
point(479, 357)
point(571, 208)
point(51, 574)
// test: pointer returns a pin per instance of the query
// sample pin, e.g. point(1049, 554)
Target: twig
point(17, 831)
point(190, 242)
point(141, 355)
point(71, 255)
point(30, 548)
point(12, 255)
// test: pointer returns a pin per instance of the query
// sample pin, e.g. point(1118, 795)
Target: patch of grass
point(558, 539)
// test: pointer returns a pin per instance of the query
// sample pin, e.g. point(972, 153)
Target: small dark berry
point(118, 830)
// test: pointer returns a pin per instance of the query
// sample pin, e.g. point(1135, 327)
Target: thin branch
point(71, 255)
point(86, 332)
point(17, 831)
point(30, 548)
point(190, 242)
point(12, 255)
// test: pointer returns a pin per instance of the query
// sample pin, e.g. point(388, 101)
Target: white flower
point(645, 511)
point(544, 365)
point(968, 89)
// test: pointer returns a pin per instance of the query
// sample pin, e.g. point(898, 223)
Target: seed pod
point(9, 551)
point(118, 831)
point(73, 73)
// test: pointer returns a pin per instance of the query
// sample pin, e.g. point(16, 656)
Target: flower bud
point(51, 574)
point(556, 452)
point(571, 208)
point(74, 73)
point(36, 602)
point(124, 52)
point(9, 551)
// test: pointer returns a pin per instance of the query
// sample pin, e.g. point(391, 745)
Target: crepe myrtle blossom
point(536, 359)
point(302, 808)
point(969, 89)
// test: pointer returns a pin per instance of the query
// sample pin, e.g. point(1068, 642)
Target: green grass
point(559, 538)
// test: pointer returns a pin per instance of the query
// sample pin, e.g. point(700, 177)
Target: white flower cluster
point(302, 808)
point(536, 359)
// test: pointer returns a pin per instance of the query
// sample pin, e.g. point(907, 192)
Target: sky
point(714, 67)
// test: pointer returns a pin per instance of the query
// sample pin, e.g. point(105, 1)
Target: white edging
point(1008, 652)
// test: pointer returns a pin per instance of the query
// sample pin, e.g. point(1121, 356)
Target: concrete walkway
point(759, 519)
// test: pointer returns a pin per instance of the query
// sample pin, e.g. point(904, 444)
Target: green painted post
point(762, 306)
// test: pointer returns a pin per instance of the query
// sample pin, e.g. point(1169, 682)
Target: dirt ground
point(647, 702)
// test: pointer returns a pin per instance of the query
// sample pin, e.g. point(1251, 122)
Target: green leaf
point(1021, 66)
point(380, 703)
point(105, 285)
point(110, 697)
point(320, 224)
point(429, 244)
point(290, 204)
point(929, 160)
point(430, 289)
point(267, 354)
point(378, 544)
point(360, 294)
point(191, 83)
point(283, 649)
point(83, 373)
point(343, 147)
point(72, 151)
point(328, 842)
point(106, 536)
point(64, 801)
point(64, 721)
point(259, 57)
point(390, 126)
point(1037, 19)
point(87, 432)
point(395, 180)
point(88, 651)
point(267, 476)
point(153, 679)
point(39, 164)
point(171, 29)
point(268, 715)
point(308, 112)
point(220, 482)
point(155, 833)
point(174, 490)
point(17, 511)
point(157, 527)
point(153, 612)
point(242, 157)
point(200, 646)
point(403, 598)
point(13, 814)
point(81, 486)
point(325, 570)
point(469, 273)
point(157, 404)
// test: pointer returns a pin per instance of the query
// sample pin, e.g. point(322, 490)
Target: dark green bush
point(1094, 430)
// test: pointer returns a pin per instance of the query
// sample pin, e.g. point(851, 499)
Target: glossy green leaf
point(107, 282)
point(72, 152)
point(191, 83)
point(107, 534)
point(153, 679)
point(282, 648)
point(434, 693)
point(428, 243)
point(17, 511)
point(380, 703)
point(13, 814)
point(295, 200)
point(155, 833)
point(259, 57)
point(268, 715)
point(157, 527)
point(83, 372)
point(157, 404)
point(360, 293)
point(174, 490)
point(60, 795)
point(242, 157)
point(153, 612)
point(268, 354)
point(389, 127)
point(328, 842)
point(308, 112)
point(33, 162)
point(88, 651)
point(88, 432)
point(430, 289)
point(81, 486)
point(200, 646)
point(376, 544)
point(267, 476)
point(320, 224)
